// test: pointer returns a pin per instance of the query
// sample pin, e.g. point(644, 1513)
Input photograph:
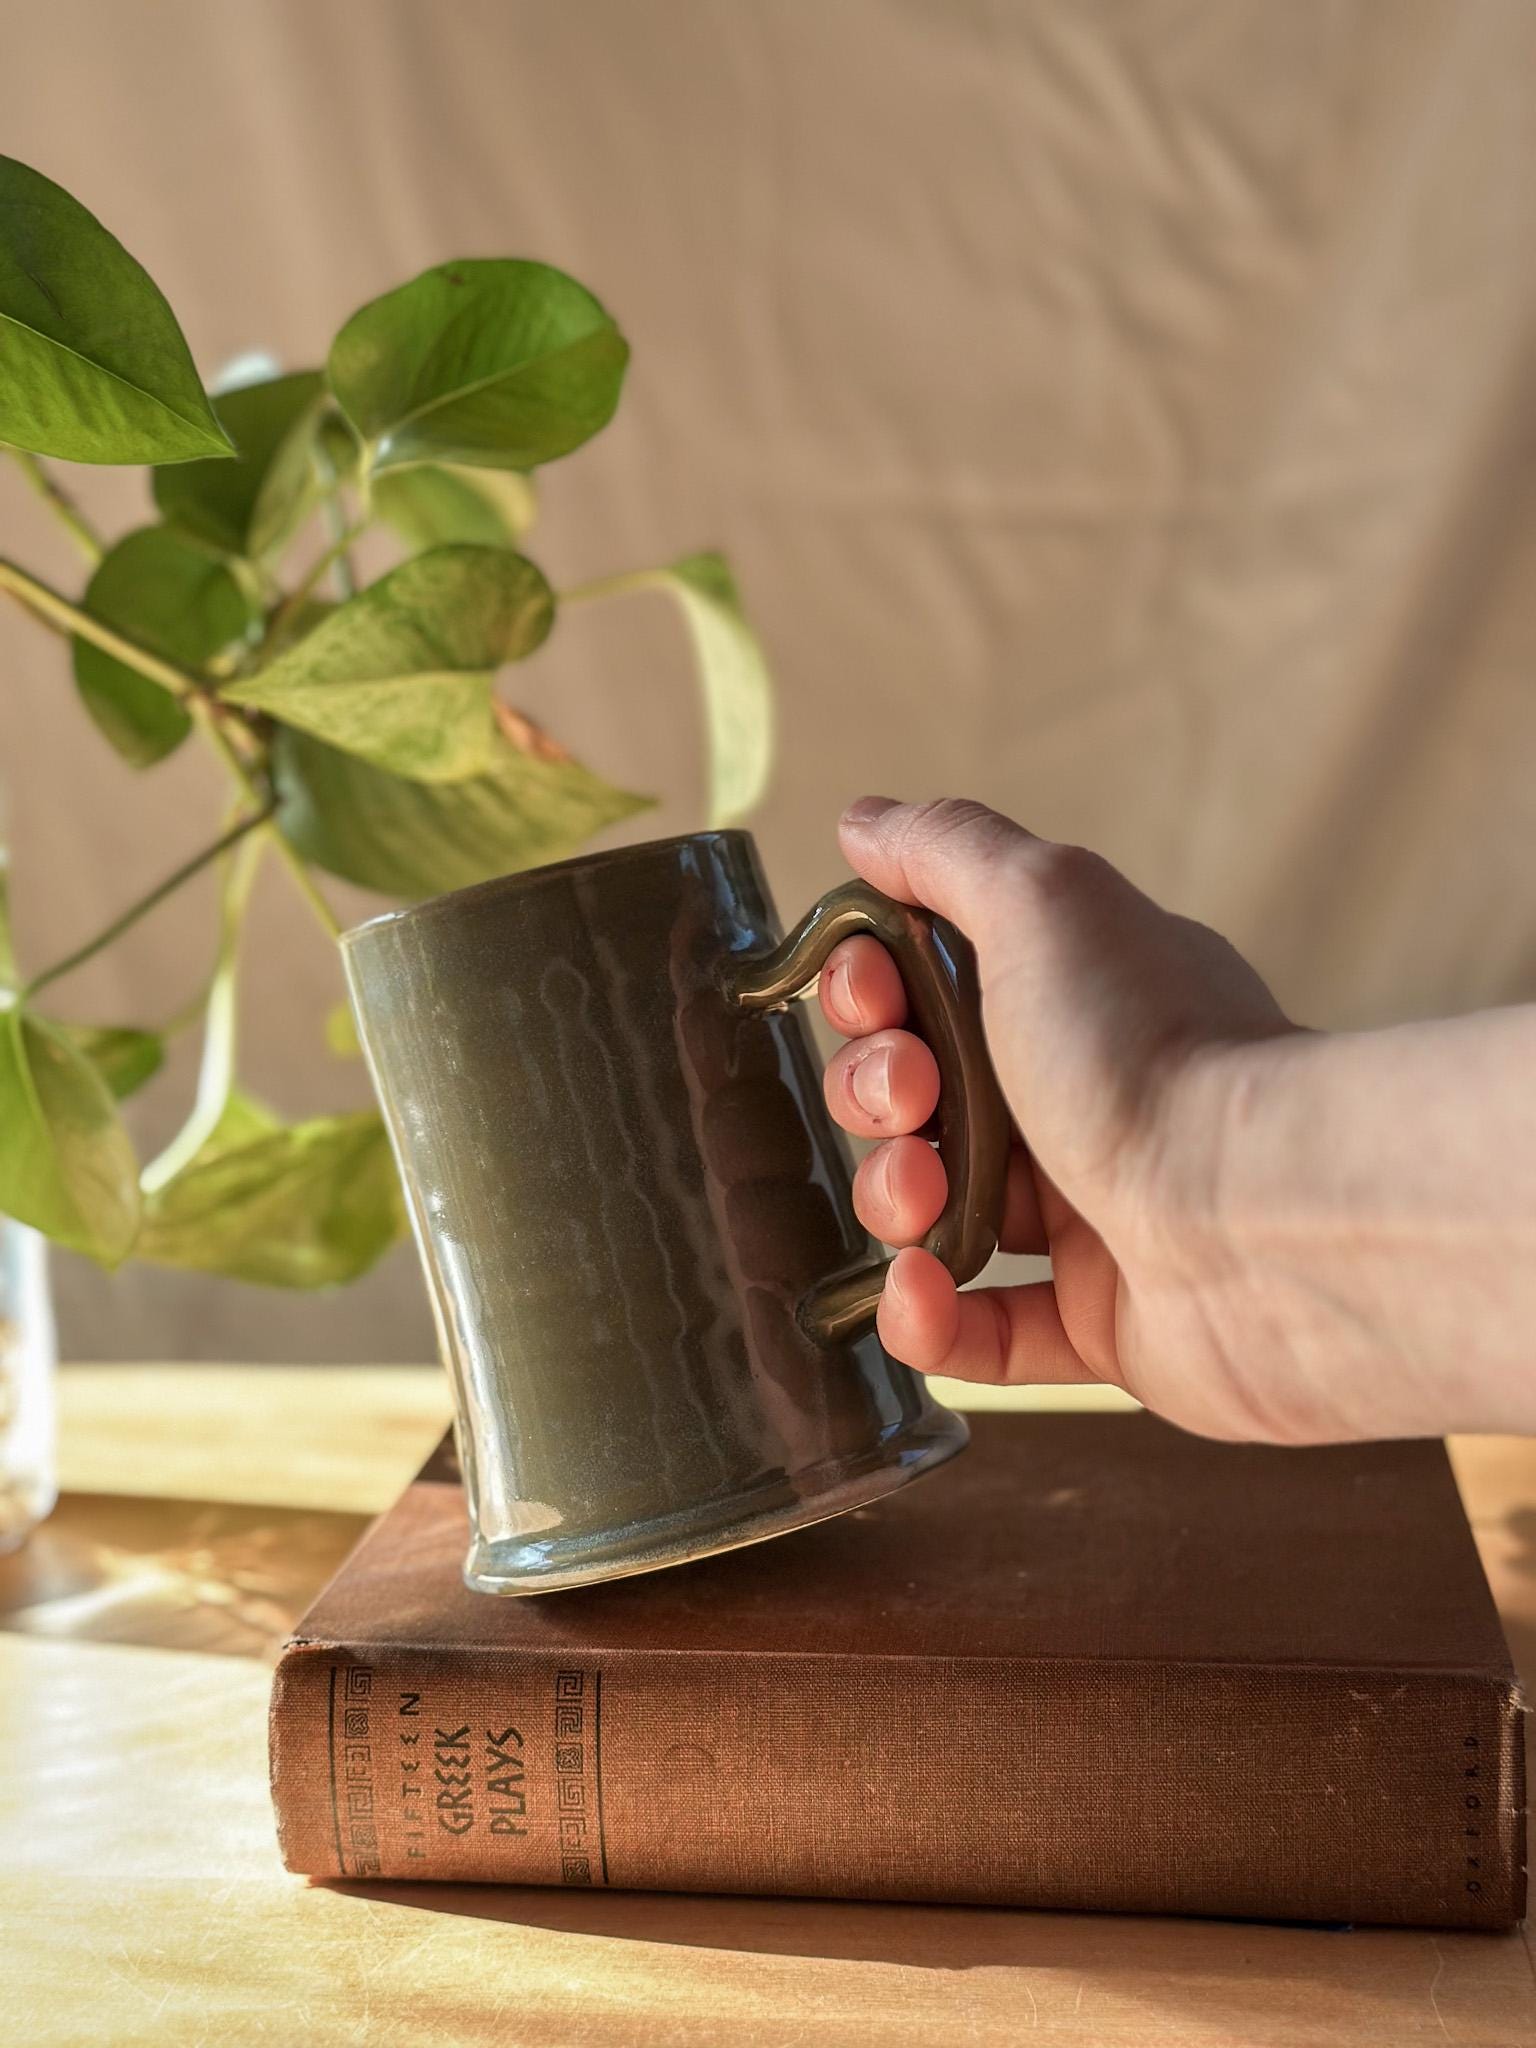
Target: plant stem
point(307, 886)
point(294, 860)
point(64, 508)
point(184, 1018)
point(59, 612)
point(342, 536)
point(624, 585)
point(145, 904)
point(336, 552)
point(69, 618)
point(216, 1068)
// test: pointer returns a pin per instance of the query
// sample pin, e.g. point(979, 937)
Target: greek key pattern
point(353, 1762)
point(578, 1779)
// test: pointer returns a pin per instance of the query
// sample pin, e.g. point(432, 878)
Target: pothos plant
point(358, 725)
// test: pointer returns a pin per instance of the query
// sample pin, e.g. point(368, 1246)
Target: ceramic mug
point(651, 1292)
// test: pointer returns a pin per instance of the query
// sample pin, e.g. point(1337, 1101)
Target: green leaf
point(142, 721)
point(400, 674)
point(733, 674)
point(241, 1121)
point(252, 505)
point(738, 691)
point(341, 1032)
point(93, 366)
point(434, 503)
point(124, 1056)
point(502, 364)
point(179, 603)
point(414, 839)
point(309, 1205)
point(66, 1166)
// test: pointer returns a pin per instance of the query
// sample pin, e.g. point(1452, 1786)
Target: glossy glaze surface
point(623, 1188)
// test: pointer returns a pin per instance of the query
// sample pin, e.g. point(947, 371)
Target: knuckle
point(939, 839)
point(930, 825)
point(1055, 871)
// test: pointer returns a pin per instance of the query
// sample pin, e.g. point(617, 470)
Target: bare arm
point(1373, 1223)
point(1261, 1232)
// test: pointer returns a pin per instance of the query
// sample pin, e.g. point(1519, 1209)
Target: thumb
point(952, 856)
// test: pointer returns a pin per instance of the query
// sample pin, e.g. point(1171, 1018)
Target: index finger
point(861, 989)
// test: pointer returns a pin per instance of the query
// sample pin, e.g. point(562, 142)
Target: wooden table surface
point(141, 1898)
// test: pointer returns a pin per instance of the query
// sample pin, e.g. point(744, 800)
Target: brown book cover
point(1096, 1663)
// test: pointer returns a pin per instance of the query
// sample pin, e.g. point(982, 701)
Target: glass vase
point(28, 1368)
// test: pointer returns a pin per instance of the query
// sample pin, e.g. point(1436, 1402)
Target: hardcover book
point(1096, 1663)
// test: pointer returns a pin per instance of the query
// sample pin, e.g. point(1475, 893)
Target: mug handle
point(938, 967)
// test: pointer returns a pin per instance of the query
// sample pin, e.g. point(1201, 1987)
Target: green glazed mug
point(653, 1298)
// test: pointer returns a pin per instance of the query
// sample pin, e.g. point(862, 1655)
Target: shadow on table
point(1135, 1978)
point(1520, 1618)
point(1511, 1566)
point(210, 1576)
point(849, 1930)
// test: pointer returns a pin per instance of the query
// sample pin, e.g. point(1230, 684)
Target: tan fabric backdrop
point(1122, 412)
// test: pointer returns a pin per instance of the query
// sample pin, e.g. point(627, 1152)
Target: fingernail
point(843, 999)
point(871, 1080)
point(895, 1291)
point(867, 809)
point(877, 1177)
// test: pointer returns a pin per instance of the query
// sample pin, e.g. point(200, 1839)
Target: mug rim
point(521, 880)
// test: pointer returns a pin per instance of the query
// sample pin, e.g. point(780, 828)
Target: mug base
point(815, 1495)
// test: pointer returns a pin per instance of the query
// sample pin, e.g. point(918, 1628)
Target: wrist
point(1231, 1228)
point(1196, 1194)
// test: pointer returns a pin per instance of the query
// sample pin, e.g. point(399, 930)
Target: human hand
point(1113, 1027)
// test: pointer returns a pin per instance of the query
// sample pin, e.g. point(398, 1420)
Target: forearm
point(1370, 1226)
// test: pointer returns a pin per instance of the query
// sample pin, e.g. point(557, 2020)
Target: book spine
point(1276, 1793)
